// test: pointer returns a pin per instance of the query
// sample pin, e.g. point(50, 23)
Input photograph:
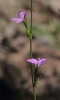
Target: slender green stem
point(31, 43)
point(34, 91)
point(31, 57)
point(31, 18)
point(36, 69)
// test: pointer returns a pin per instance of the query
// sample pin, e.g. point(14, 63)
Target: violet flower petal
point(21, 15)
point(40, 62)
point(33, 61)
point(26, 14)
point(17, 20)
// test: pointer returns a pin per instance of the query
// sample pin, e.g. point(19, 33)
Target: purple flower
point(21, 16)
point(37, 61)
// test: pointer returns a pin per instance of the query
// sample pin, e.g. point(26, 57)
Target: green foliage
point(50, 30)
point(41, 30)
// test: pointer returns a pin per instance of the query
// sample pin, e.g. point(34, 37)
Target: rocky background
point(15, 74)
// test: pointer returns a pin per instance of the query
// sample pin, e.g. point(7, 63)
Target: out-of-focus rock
point(19, 43)
point(10, 30)
point(54, 5)
point(56, 54)
point(3, 57)
point(3, 53)
point(1, 37)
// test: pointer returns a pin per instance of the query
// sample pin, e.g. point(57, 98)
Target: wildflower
point(37, 61)
point(21, 16)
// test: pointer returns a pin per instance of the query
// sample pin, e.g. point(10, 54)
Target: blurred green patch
point(50, 30)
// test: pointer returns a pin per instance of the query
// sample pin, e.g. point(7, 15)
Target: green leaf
point(36, 82)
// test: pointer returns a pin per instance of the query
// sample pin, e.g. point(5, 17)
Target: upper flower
point(21, 16)
point(37, 61)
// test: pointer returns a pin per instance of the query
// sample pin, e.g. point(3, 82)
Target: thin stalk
point(34, 89)
point(31, 43)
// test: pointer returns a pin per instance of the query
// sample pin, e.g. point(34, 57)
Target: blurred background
point(15, 74)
